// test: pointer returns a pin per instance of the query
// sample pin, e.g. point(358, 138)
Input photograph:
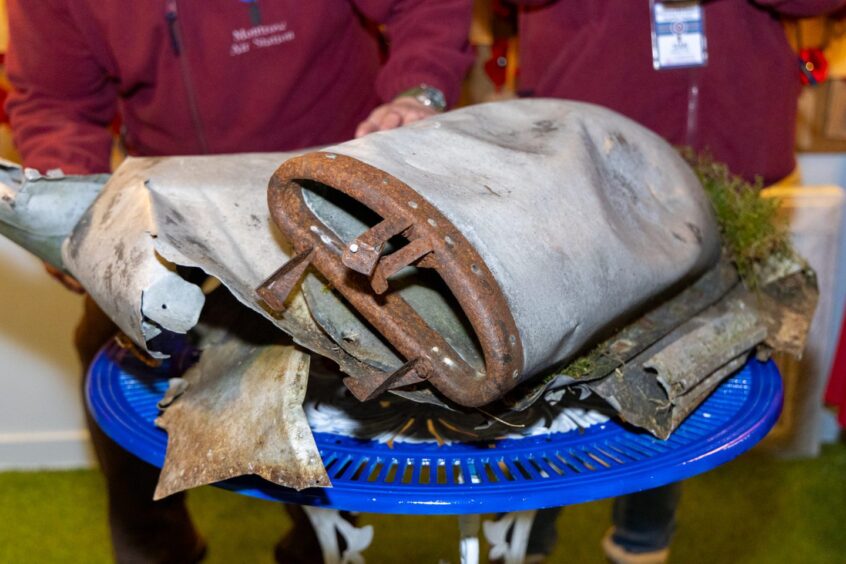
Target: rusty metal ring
point(433, 242)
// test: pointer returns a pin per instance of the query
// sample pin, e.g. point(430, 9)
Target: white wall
point(816, 217)
point(41, 417)
point(821, 169)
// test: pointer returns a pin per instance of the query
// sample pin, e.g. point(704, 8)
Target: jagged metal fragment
point(239, 410)
point(39, 211)
point(658, 388)
point(112, 253)
point(723, 333)
point(635, 337)
point(786, 302)
point(545, 222)
point(241, 413)
point(175, 388)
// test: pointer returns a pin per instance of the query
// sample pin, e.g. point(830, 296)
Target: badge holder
point(678, 35)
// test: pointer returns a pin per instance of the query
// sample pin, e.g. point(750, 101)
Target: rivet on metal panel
point(363, 253)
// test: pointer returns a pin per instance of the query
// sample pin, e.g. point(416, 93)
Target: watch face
point(430, 96)
point(437, 97)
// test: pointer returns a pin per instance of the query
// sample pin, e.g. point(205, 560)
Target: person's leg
point(142, 530)
point(644, 524)
point(544, 535)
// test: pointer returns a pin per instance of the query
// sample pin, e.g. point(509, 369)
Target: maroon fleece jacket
point(216, 76)
point(744, 113)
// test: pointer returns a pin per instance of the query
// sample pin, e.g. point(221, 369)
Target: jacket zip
point(171, 15)
point(255, 11)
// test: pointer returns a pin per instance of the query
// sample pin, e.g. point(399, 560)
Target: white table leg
point(468, 525)
point(512, 551)
point(328, 524)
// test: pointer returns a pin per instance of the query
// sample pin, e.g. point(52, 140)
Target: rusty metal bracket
point(365, 251)
point(276, 289)
point(412, 372)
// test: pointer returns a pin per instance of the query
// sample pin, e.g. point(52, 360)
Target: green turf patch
point(755, 509)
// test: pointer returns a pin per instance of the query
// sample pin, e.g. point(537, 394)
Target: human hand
point(64, 278)
point(400, 111)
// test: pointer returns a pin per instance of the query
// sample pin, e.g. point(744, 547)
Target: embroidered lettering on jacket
point(259, 37)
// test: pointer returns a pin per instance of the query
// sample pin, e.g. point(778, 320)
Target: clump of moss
point(581, 366)
point(751, 228)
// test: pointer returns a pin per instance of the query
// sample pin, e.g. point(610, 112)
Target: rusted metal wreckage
point(546, 220)
point(463, 262)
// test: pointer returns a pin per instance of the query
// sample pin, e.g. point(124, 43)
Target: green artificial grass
point(754, 509)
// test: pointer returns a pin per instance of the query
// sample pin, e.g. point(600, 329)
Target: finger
point(72, 284)
point(65, 279)
point(412, 110)
point(390, 120)
point(412, 116)
point(371, 124)
point(52, 270)
point(364, 128)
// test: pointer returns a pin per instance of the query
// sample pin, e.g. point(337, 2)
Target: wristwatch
point(427, 95)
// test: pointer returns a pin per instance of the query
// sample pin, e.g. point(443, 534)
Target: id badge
point(678, 34)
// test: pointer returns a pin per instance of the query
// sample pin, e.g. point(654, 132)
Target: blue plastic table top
point(605, 460)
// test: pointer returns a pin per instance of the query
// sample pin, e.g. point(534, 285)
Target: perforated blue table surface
point(605, 460)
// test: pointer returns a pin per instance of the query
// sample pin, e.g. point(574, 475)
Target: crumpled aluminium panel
point(38, 211)
point(112, 253)
point(548, 222)
point(157, 214)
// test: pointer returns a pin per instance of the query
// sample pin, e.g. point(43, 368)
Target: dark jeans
point(643, 521)
point(142, 530)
